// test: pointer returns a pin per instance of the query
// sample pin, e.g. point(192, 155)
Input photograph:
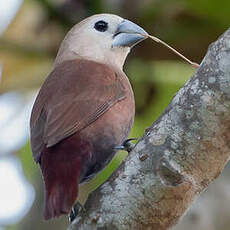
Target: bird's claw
point(75, 211)
point(127, 145)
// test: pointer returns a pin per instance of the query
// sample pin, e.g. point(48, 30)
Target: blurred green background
point(29, 45)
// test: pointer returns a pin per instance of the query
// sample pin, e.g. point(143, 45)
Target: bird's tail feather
point(61, 174)
point(59, 200)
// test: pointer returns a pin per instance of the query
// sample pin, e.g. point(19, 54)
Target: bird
point(85, 109)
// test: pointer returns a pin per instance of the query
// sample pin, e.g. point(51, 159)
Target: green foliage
point(215, 11)
point(29, 166)
point(166, 77)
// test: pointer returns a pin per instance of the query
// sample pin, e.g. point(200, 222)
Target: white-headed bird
point(84, 109)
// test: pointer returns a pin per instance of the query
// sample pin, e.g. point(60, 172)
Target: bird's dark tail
point(61, 171)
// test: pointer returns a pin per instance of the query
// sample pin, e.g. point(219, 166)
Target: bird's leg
point(75, 211)
point(127, 145)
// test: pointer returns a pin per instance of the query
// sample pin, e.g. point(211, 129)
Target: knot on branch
point(169, 172)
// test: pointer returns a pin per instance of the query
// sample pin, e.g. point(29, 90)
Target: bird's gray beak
point(128, 34)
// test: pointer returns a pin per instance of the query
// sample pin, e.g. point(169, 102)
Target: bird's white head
point(104, 38)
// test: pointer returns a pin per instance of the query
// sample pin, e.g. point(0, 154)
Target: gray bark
point(176, 159)
point(211, 211)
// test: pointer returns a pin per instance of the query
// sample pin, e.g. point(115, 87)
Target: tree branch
point(176, 159)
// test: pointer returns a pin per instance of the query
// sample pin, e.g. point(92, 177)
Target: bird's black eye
point(101, 26)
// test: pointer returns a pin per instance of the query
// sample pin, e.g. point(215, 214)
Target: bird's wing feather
point(74, 95)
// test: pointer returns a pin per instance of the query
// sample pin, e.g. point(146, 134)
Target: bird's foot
point(75, 211)
point(127, 145)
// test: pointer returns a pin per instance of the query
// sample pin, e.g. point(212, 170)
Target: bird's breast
point(109, 130)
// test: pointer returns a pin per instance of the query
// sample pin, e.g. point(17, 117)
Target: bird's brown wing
point(74, 95)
